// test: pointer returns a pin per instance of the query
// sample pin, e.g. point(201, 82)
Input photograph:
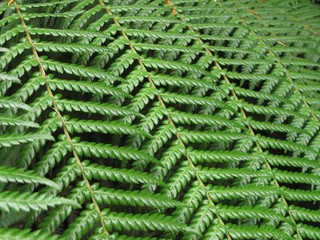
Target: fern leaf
point(8, 174)
point(193, 136)
point(212, 173)
point(18, 201)
point(133, 198)
point(193, 100)
point(240, 212)
point(77, 125)
point(273, 127)
point(8, 140)
point(120, 175)
point(11, 104)
point(304, 214)
point(285, 145)
point(77, 70)
point(7, 77)
point(143, 222)
point(263, 232)
point(91, 107)
point(159, 119)
point(89, 87)
point(300, 195)
point(157, 34)
point(106, 150)
point(218, 193)
point(198, 156)
point(293, 177)
point(154, 63)
point(8, 121)
point(81, 225)
point(178, 81)
point(27, 234)
point(66, 33)
point(309, 231)
point(186, 118)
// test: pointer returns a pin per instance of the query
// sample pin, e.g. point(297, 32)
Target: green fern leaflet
point(152, 119)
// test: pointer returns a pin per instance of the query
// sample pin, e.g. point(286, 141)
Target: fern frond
point(8, 121)
point(91, 107)
point(7, 77)
point(8, 174)
point(194, 137)
point(133, 198)
point(220, 156)
point(80, 226)
point(8, 140)
point(244, 232)
point(159, 119)
point(18, 201)
point(304, 214)
point(241, 212)
point(154, 63)
point(6, 103)
point(300, 195)
point(187, 118)
point(78, 70)
point(285, 145)
point(67, 33)
point(89, 149)
point(120, 175)
point(88, 87)
point(309, 231)
point(17, 234)
point(294, 177)
point(216, 173)
point(179, 81)
point(145, 222)
point(157, 35)
point(221, 193)
point(78, 125)
point(256, 125)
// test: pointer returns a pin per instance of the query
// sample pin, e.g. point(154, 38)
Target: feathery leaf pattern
point(151, 119)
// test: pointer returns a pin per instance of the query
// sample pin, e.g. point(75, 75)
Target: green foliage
point(151, 119)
